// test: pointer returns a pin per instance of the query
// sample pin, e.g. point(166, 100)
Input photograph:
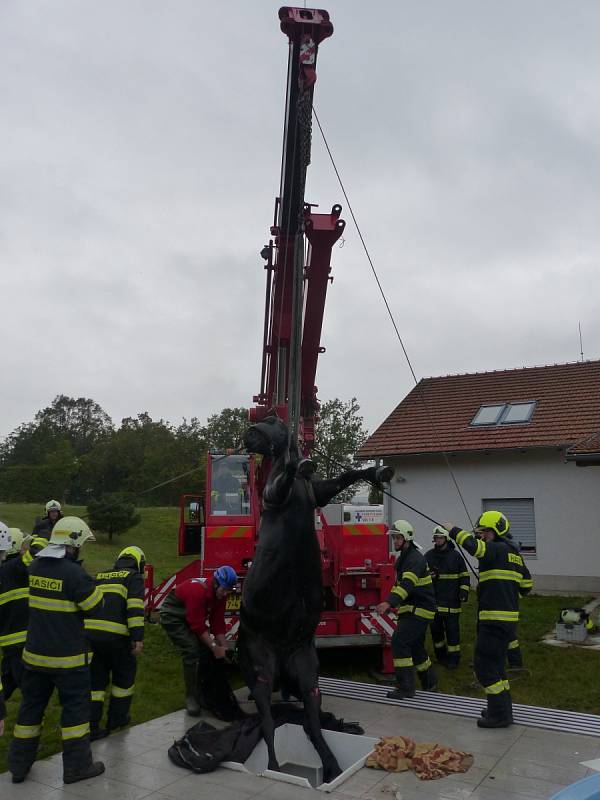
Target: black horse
point(282, 593)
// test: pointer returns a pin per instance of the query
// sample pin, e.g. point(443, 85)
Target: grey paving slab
point(198, 788)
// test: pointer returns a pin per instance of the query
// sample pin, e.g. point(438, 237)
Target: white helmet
point(404, 528)
point(71, 531)
point(53, 505)
point(18, 537)
point(5, 538)
point(439, 530)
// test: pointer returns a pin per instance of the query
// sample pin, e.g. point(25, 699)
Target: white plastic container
point(299, 761)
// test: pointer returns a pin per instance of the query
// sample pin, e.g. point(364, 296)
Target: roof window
point(504, 414)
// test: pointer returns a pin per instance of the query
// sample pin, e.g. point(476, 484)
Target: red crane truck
point(221, 525)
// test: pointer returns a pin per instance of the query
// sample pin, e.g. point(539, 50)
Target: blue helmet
point(226, 577)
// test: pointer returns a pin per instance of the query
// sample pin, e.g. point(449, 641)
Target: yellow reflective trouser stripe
point(91, 601)
point(440, 644)
point(506, 685)
point(403, 662)
point(113, 588)
point(513, 645)
point(75, 731)
point(106, 625)
point(135, 602)
point(448, 576)
point(499, 575)
point(400, 591)
point(54, 662)
point(14, 594)
point(423, 665)
point(50, 604)
point(98, 697)
point(495, 688)
point(411, 577)
point(13, 638)
point(454, 648)
point(447, 610)
point(27, 731)
point(499, 616)
point(527, 583)
point(422, 612)
point(424, 581)
point(464, 575)
point(135, 622)
point(117, 691)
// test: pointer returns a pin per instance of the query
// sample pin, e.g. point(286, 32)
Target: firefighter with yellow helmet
point(14, 608)
point(116, 633)
point(61, 593)
point(503, 576)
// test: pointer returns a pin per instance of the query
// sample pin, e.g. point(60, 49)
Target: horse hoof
point(274, 766)
point(331, 773)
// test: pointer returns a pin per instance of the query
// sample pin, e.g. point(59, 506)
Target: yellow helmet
point(404, 528)
point(71, 531)
point(18, 537)
point(53, 505)
point(495, 521)
point(136, 553)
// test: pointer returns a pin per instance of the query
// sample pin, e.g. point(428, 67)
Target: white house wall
point(567, 508)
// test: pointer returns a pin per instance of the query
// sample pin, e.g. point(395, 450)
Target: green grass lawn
point(555, 677)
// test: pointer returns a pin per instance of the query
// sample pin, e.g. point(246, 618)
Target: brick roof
point(587, 446)
point(567, 411)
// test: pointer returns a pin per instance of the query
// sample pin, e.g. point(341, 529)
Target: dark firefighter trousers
point(73, 686)
point(113, 663)
point(408, 648)
point(445, 632)
point(12, 670)
point(491, 647)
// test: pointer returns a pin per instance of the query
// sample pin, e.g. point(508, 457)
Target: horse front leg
point(312, 727)
point(261, 692)
point(325, 490)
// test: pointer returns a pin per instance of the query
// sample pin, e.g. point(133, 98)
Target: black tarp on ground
point(203, 747)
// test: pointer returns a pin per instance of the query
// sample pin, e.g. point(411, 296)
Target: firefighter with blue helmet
point(56, 655)
point(193, 616)
point(503, 576)
point(116, 634)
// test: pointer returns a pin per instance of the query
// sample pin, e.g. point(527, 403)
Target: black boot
point(406, 685)
point(498, 713)
point(452, 661)
point(94, 769)
point(97, 733)
point(190, 679)
point(428, 680)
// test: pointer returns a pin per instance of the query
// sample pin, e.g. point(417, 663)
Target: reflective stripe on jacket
point(123, 611)
point(449, 578)
point(412, 593)
point(60, 594)
point(14, 602)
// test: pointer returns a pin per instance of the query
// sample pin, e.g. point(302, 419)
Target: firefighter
point(116, 633)
point(413, 598)
point(502, 577)
point(451, 586)
point(14, 610)
point(193, 616)
point(55, 654)
point(43, 527)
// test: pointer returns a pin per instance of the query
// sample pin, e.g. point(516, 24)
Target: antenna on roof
point(580, 341)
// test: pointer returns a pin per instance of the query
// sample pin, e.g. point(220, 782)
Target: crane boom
point(297, 275)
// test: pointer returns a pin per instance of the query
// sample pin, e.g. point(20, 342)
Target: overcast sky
point(139, 159)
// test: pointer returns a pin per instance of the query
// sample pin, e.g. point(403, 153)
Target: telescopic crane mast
point(296, 280)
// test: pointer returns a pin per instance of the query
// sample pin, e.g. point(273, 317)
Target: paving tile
point(242, 780)
point(518, 784)
point(198, 786)
point(30, 790)
point(105, 788)
point(529, 768)
point(485, 793)
point(287, 791)
point(362, 781)
point(142, 775)
point(158, 758)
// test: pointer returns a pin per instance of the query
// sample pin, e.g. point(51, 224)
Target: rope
point(393, 321)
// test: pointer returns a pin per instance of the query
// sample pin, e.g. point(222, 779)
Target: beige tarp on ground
point(428, 760)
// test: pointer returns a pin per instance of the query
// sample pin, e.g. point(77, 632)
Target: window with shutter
point(521, 515)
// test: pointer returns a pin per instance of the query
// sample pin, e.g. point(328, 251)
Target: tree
point(339, 433)
point(112, 514)
point(223, 431)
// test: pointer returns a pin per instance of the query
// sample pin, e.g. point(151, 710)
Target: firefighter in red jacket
point(116, 633)
point(503, 576)
point(193, 616)
point(55, 655)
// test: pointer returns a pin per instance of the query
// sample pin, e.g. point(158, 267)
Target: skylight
point(504, 414)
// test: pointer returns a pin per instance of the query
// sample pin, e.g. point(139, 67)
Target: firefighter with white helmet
point(14, 609)
point(61, 593)
point(43, 527)
point(451, 586)
point(413, 599)
point(503, 576)
point(116, 633)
